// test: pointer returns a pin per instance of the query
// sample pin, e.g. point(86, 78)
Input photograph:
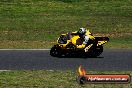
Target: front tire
point(55, 51)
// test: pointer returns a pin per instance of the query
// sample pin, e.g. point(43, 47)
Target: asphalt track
point(111, 59)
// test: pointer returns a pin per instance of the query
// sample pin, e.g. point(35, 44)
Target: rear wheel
point(99, 50)
point(95, 51)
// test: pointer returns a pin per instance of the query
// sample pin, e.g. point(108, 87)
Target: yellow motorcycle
point(68, 45)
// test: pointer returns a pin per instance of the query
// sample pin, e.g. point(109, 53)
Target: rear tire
point(99, 50)
point(95, 51)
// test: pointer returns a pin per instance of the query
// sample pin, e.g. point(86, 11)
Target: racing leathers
point(85, 39)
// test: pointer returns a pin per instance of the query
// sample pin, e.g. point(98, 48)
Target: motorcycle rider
point(84, 36)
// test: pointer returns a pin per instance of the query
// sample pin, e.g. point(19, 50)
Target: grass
point(121, 42)
point(52, 79)
point(41, 21)
point(38, 23)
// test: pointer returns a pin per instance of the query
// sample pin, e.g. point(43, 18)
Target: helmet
point(82, 31)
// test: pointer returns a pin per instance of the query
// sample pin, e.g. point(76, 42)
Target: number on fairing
point(87, 48)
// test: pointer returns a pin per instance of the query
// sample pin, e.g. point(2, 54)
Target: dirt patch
point(114, 34)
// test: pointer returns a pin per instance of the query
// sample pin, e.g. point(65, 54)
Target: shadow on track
point(78, 56)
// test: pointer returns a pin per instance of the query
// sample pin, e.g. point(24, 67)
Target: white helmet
point(82, 31)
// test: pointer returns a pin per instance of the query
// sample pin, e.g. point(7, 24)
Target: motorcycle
point(67, 46)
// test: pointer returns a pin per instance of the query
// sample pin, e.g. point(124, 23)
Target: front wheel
point(55, 51)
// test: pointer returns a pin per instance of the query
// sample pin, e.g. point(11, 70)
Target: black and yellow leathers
point(76, 40)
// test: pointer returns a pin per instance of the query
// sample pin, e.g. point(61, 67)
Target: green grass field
point(38, 23)
point(53, 79)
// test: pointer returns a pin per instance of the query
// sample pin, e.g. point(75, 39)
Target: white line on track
point(22, 49)
point(4, 70)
